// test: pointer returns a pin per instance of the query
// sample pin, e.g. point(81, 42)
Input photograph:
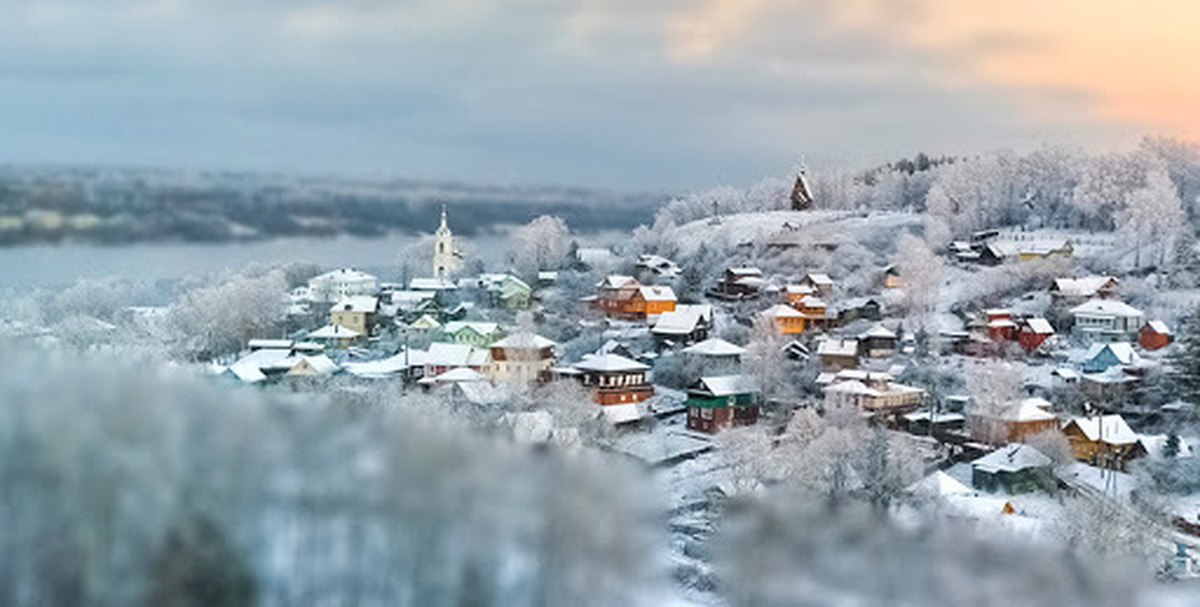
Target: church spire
point(443, 226)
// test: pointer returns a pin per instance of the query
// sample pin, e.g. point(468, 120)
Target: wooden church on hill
point(802, 198)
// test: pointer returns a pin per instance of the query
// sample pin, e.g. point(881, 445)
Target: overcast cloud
point(625, 94)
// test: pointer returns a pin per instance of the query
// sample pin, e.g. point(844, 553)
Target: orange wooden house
point(787, 320)
point(625, 297)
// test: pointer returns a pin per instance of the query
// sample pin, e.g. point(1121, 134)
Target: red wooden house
point(1034, 333)
point(1154, 335)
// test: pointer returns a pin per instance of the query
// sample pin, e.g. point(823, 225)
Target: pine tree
point(1185, 263)
point(1184, 374)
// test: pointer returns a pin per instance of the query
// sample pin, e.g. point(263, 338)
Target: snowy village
point(1004, 346)
point(701, 303)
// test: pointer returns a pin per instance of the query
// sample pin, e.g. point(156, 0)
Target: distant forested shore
point(123, 206)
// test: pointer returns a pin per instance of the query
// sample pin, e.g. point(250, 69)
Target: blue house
point(1102, 357)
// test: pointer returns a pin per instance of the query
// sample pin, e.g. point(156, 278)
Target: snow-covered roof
point(403, 298)
point(432, 284)
point(818, 278)
point(1041, 326)
point(460, 374)
point(1030, 410)
point(1111, 429)
point(443, 354)
point(715, 346)
point(1155, 445)
point(314, 365)
point(990, 312)
point(274, 344)
point(838, 347)
point(746, 271)
point(357, 303)
point(482, 328)
point(1123, 351)
point(386, 367)
point(782, 311)
point(678, 322)
point(248, 373)
point(524, 340)
point(609, 362)
point(1012, 458)
point(1105, 308)
point(334, 332)
point(1088, 286)
point(622, 414)
point(799, 290)
point(618, 281)
point(937, 485)
point(657, 293)
point(879, 332)
point(425, 322)
point(1159, 327)
point(343, 275)
point(728, 385)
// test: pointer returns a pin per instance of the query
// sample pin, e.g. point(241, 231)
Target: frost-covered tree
point(922, 272)
point(1106, 183)
point(1184, 373)
point(218, 317)
point(1151, 214)
point(1185, 262)
point(541, 244)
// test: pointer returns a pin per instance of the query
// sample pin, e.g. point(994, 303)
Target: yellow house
point(354, 313)
point(522, 358)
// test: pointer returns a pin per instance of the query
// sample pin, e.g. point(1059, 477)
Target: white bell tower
point(445, 255)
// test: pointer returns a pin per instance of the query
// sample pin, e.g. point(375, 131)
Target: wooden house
point(816, 314)
point(793, 294)
point(1154, 335)
point(716, 356)
point(838, 354)
point(1034, 333)
point(650, 302)
point(521, 358)
point(1000, 325)
point(740, 283)
point(1014, 468)
point(356, 313)
point(891, 278)
point(821, 282)
point(1083, 289)
point(336, 336)
point(873, 393)
point(686, 324)
point(1102, 357)
point(879, 342)
point(478, 334)
point(658, 265)
point(859, 308)
point(1014, 423)
point(1104, 440)
point(615, 295)
point(506, 291)
point(443, 357)
point(723, 401)
point(786, 319)
point(615, 380)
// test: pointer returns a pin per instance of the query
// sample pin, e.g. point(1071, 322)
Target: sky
point(675, 95)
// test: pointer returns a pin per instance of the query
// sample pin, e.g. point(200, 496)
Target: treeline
point(124, 206)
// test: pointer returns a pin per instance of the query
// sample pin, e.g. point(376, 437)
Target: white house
point(340, 284)
point(1106, 320)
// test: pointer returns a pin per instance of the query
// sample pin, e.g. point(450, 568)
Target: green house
point(478, 334)
point(1015, 468)
point(507, 291)
point(723, 401)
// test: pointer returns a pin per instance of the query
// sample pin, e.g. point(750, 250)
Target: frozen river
point(59, 265)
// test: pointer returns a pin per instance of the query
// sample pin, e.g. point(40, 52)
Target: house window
point(706, 413)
